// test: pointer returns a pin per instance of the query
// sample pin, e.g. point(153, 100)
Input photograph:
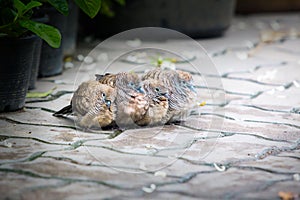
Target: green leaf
point(31, 5)
point(19, 6)
point(121, 2)
point(8, 16)
point(60, 5)
point(48, 33)
point(40, 94)
point(106, 10)
point(90, 7)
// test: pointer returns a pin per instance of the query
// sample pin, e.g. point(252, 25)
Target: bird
point(187, 80)
point(187, 85)
point(125, 100)
point(157, 96)
point(131, 103)
point(92, 103)
point(181, 91)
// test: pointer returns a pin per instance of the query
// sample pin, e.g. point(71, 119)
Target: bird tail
point(64, 111)
point(100, 76)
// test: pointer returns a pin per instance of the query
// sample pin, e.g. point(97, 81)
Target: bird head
point(130, 82)
point(105, 99)
point(107, 95)
point(186, 80)
point(155, 89)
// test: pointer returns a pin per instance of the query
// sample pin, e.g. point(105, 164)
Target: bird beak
point(140, 90)
point(108, 103)
point(165, 94)
point(192, 88)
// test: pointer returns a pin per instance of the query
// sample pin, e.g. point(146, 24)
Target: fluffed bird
point(157, 96)
point(181, 93)
point(187, 80)
point(187, 85)
point(93, 104)
point(130, 103)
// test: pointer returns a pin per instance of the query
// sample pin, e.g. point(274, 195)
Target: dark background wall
point(259, 6)
point(196, 18)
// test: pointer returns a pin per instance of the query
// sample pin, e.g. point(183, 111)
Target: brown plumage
point(107, 79)
point(92, 103)
point(130, 103)
point(188, 85)
point(181, 94)
point(123, 99)
point(157, 96)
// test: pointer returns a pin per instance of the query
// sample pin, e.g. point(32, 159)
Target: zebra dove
point(157, 96)
point(181, 91)
point(92, 103)
point(130, 103)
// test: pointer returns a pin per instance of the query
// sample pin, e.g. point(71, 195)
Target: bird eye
point(157, 89)
point(131, 84)
point(103, 95)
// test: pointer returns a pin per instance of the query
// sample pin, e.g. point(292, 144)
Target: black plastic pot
point(16, 61)
point(196, 18)
point(51, 62)
point(35, 63)
point(70, 34)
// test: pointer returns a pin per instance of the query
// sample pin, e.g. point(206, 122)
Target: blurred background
point(198, 19)
point(86, 23)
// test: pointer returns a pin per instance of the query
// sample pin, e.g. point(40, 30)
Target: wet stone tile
point(227, 149)
point(272, 74)
point(229, 184)
point(277, 164)
point(244, 144)
point(282, 97)
point(16, 186)
point(14, 150)
point(272, 192)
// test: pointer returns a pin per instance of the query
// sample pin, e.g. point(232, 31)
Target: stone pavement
point(244, 147)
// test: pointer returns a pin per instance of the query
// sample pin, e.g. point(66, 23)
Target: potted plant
point(52, 59)
point(90, 8)
point(108, 7)
point(51, 62)
point(70, 34)
point(18, 39)
point(18, 36)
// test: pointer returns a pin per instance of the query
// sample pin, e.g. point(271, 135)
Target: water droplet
point(88, 60)
point(242, 55)
point(280, 88)
point(80, 57)
point(134, 43)
point(160, 173)
point(68, 65)
point(296, 177)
